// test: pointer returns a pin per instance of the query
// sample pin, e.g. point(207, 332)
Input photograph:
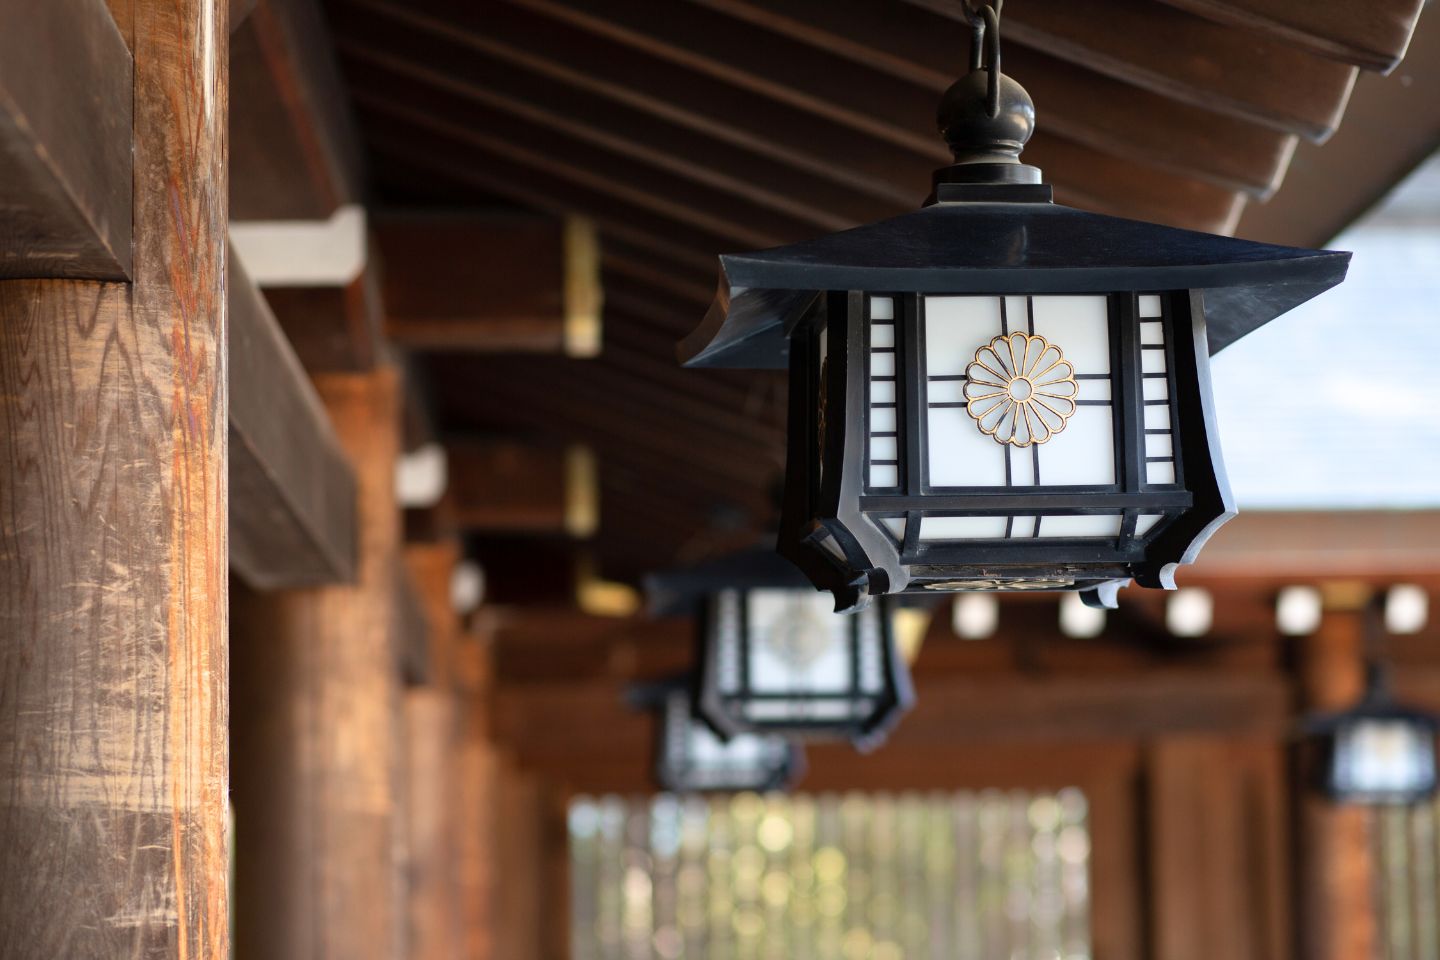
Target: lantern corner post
point(113, 543)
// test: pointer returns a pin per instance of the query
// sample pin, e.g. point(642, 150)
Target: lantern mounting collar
point(985, 117)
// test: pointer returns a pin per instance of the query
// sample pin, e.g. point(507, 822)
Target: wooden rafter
point(66, 172)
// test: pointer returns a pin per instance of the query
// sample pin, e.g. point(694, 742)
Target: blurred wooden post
point(555, 890)
point(475, 804)
point(317, 727)
point(113, 605)
point(432, 754)
point(520, 815)
point(1338, 913)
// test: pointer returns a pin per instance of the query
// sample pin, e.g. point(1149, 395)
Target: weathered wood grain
point(317, 751)
point(292, 490)
point(66, 112)
point(113, 601)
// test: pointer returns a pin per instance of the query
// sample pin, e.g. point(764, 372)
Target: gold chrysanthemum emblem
point(1020, 389)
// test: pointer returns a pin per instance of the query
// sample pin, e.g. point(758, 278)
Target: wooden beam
point(508, 487)
point(1373, 36)
point(292, 491)
point(491, 283)
point(317, 726)
point(1391, 126)
point(871, 144)
point(874, 104)
point(66, 125)
point(1307, 545)
point(1185, 57)
point(334, 329)
point(293, 146)
point(1109, 115)
point(482, 72)
point(113, 613)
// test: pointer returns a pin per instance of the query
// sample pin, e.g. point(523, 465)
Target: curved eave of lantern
point(680, 592)
point(990, 248)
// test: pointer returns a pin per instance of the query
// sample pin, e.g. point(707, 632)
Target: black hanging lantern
point(1377, 752)
point(773, 656)
point(691, 758)
point(998, 392)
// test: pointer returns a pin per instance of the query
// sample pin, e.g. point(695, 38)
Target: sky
point(1337, 404)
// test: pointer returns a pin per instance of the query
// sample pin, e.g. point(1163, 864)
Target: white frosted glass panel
point(1149, 304)
point(1144, 524)
point(1023, 527)
point(882, 335)
point(882, 308)
point(959, 454)
point(1093, 390)
point(882, 419)
point(945, 391)
point(1022, 467)
point(882, 364)
point(1152, 361)
point(1079, 326)
point(961, 528)
point(1155, 388)
point(882, 391)
point(883, 448)
point(1160, 472)
point(1157, 417)
point(955, 327)
point(1017, 313)
point(1159, 445)
point(896, 526)
point(1152, 332)
point(797, 642)
point(1097, 526)
point(1084, 453)
point(885, 475)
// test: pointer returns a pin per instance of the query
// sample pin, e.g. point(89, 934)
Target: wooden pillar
point(317, 727)
point(113, 670)
point(520, 858)
point(477, 770)
point(433, 745)
point(1338, 913)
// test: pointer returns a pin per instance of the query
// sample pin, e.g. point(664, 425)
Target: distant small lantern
point(1378, 752)
point(691, 758)
point(998, 392)
point(773, 656)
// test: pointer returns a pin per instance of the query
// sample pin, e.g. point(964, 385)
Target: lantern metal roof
point(1019, 241)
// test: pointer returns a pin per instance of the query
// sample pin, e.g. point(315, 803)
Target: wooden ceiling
point(693, 127)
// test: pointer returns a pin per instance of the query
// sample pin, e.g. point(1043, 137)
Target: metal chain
point(985, 40)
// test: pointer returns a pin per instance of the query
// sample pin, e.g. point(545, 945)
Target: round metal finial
point(986, 117)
